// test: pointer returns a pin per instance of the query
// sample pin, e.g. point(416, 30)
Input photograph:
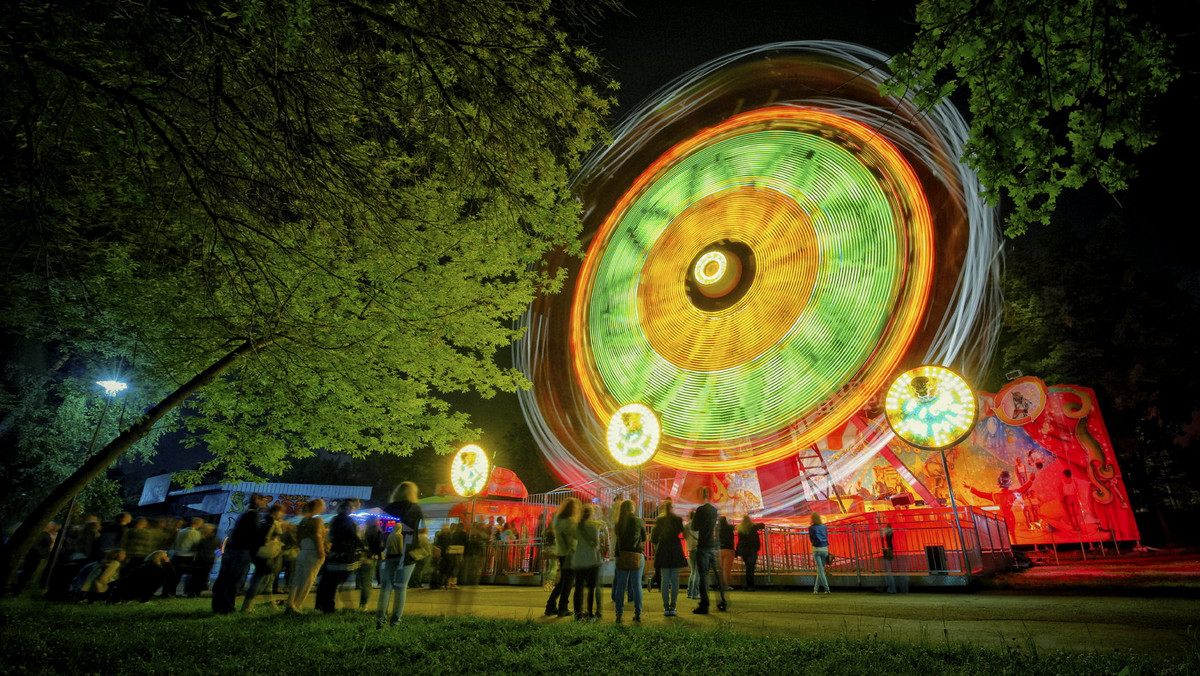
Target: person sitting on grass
point(141, 581)
point(104, 574)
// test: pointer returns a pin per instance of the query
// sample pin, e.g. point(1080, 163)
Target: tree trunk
point(25, 536)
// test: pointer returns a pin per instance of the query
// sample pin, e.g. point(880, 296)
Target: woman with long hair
point(398, 562)
point(630, 542)
point(564, 545)
point(668, 553)
point(311, 534)
point(818, 535)
point(748, 545)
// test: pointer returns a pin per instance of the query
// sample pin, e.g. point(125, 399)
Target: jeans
point(394, 584)
point(751, 561)
point(694, 575)
point(363, 578)
point(235, 564)
point(706, 560)
point(562, 590)
point(670, 587)
point(822, 560)
point(628, 581)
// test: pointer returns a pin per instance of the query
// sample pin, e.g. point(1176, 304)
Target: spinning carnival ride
point(771, 241)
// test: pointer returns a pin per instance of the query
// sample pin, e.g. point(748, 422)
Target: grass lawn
point(183, 636)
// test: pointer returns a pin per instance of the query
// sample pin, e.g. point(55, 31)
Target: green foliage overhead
point(1060, 92)
point(336, 208)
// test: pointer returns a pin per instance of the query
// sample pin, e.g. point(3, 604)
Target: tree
point(298, 223)
point(1099, 306)
point(1060, 92)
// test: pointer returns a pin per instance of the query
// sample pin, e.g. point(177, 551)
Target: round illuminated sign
point(930, 407)
point(1021, 401)
point(633, 435)
point(469, 471)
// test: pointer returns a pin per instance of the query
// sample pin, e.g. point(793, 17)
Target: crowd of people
point(134, 559)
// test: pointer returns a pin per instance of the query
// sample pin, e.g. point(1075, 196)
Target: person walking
point(398, 562)
point(364, 577)
point(818, 535)
point(748, 546)
point(345, 555)
point(268, 558)
point(311, 533)
point(705, 525)
point(564, 545)
point(668, 554)
point(246, 538)
point(630, 541)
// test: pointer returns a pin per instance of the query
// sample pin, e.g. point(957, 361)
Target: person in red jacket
point(1004, 499)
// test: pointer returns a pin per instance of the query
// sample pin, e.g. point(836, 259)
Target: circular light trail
point(633, 433)
point(469, 471)
point(930, 407)
point(842, 238)
point(853, 241)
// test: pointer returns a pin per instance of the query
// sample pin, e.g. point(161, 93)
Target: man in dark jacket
point(705, 524)
point(246, 538)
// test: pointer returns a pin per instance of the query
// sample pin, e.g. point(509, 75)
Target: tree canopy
point(1060, 92)
point(301, 222)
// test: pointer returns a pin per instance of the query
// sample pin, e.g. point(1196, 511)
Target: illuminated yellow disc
point(633, 434)
point(710, 268)
point(469, 471)
point(930, 407)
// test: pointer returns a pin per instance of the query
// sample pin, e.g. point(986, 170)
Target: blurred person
point(187, 541)
point(289, 550)
point(818, 536)
point(548, 556)
point(667, 537)
point(311, 534)
point(748, 546)
point(423, 553)
point(398, 562)
point(457, 549)
point(890, 564)
point(103, 575)
point(206, 557)
point(726, 550)
point(630, 538)
point(112, 535)
point(564, 546)
point(141, 580)
point(245, 540)
point(689, 536)
point(343, 558)
point(441, 571)
point(140, 540)
point(585, 562)
point(705, 525)
point(364, 577)
point(34, 565)
point(268, 558)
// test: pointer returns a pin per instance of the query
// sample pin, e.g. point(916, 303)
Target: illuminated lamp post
point(933, 408)
point(111, 389)
point(633, 434)
point(469, 474)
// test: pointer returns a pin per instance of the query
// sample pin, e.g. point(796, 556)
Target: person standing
point(705, 525)
point(423, 553)
point(398, 563)
point(187, 540)
point(564, 545)
point(246, 538)
point(630, 544)
point(668, 554)
point(311, 533)
point(345, 555)
point(726, 552)
point(748, 546)
point(818, 536)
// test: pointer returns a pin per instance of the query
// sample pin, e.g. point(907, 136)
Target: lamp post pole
point(111, 388)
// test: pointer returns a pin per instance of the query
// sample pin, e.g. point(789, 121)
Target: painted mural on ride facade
point(1040, 456)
